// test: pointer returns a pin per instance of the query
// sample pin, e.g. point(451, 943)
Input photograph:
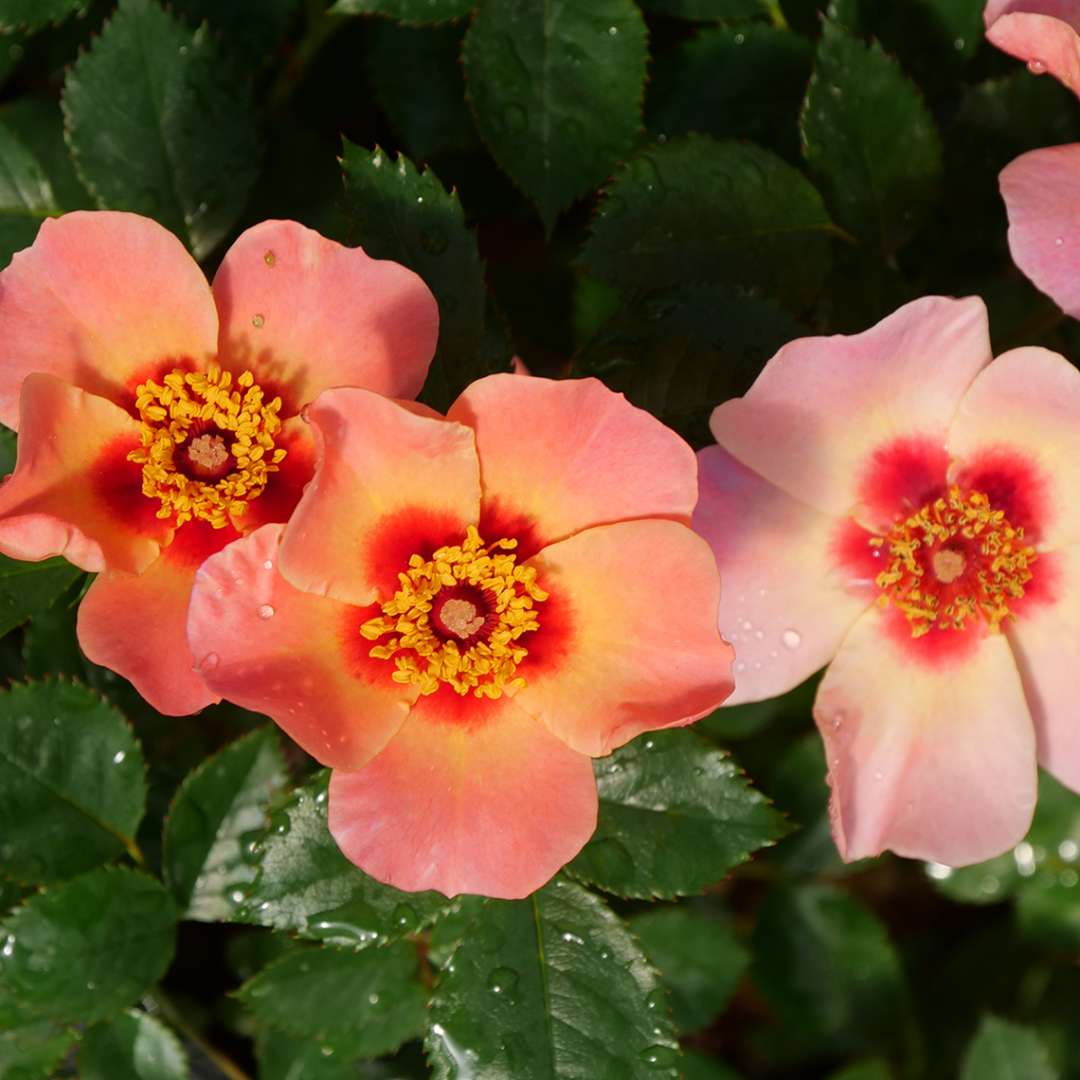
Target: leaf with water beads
point(133, 1045)
point(550, 986)
point(381, 1003)
point(86, 949)
point(213, 822)
point(676, 814)
point(423, 12)
point(1005, 1051)
point(72, 781)
point(303, 883)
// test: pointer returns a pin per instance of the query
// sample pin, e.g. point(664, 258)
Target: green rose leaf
point(156, 125)
point(1005, 1051)
point(133, 1045)
point(407, 11)
point(72, 781)
point(699, 958)
point(209, 830)
point(676, 815)
point(828, 969)
point(28, 588)
point(86, 949)
point(556, 89)
point(380, 1004)
point(303, 882)
point(709, 10)
point(35, 14)
point(283, 1057)
point(34, 1051)
point(694, 209)
point(399, 213)
point(870, 141)
point(551, 986)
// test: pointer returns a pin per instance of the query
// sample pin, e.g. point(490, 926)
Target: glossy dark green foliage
point(27, 589)
point(708, 10)
point(303, 882)
point(181, 144)
point(870, 141)
point(676, 815)
point(86, 949)
point(33, 1051)
point(556, 89)
point(551, 986)
point(680, 351)
point(134, 1046)
point(35, 14)
point(698, 210)
point(829, 971)
point(407, 11)
point(250, 31)
point(26, 197)
point(283, 1057)
point(397, 212)
point(699, 958)
point(214, 818)
point(72, 781)
point(384, 1003)
point(1006, 1051)
point(742, 80)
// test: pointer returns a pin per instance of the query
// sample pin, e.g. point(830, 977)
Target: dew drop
point(659, 1057)
point(266, 611)
point(373, 998)
point(404, 916)
point(269, 564)
point(837, 720)
point(209, 662)
point(879, 775)
point(572, 939)
point(326, 1051)
point(746, 624)
point(792, 639)
point(1037, 67)
point(269, 258)
point(503, 980)
point(118, 757)
point(657, 999)
point(612, 31)
point(1068, 850)
point(237, 896)
point(938, 871)
point(258, 321)
point(759, 635)
point(1059, 241)
point(280, 823)
point(9, 947)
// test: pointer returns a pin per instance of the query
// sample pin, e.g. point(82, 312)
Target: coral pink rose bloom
point(462, 612)
point(1041, 188)
point(897, 504)
point(157, 415)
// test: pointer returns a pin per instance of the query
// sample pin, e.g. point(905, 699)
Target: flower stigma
point(208, 444)
point(458, 617)
point(956, 559)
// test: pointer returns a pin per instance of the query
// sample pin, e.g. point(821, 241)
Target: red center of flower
point(465, 614)
point(205, 455)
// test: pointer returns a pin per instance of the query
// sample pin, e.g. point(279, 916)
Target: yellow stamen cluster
point(996, 547)
point(180, 408)
point(422, 657)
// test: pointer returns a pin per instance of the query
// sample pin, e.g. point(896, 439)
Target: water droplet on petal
point(209, 662)
point(792, 639)
point(269, 564)
point(1037, 67)
point(1059, 241)
point(269, 258)
point(258, 321)
point(266, 611)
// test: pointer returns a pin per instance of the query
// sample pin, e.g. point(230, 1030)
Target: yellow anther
point(956, 540)
point(431, 651)
point(175, 414)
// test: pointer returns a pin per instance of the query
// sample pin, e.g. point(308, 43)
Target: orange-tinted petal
point(493, 807)
point(305, 313)
point(788, 595)
point(559, 456)
point(136, 624)
point(73, 492)
point(932, 761)
point(1044, 33)
point(1046, 639)
point(296, 657)
point(635, 605)
point(103, 300)
point(389, 483)
point(812, 421)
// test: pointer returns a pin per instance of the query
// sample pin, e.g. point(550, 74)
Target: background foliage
point(658, 193)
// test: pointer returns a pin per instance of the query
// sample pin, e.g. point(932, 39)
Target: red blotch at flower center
point(208, 444)
point(956, 560)
point(458, 619)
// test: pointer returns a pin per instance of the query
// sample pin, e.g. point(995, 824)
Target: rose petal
point(282, 494)
point(628, 639)
point(103, 300)
point(73, 492)
point(1041, 32)
point(1045, 639)
point(788, 596)
point(822, 406)
point(1042, 198)
point(932, 761)
point(1025, 407)
point(495, 806)
point(389, 484)
point(305, 313)
point(136, 624)
point(560, 456)
point(296, 657)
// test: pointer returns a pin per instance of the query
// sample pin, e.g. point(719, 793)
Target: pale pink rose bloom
point(901, 507)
